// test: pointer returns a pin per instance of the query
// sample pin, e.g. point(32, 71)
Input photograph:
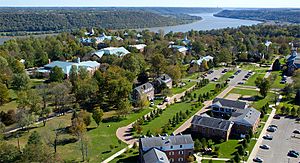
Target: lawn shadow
point(66, 141)
point(132, 159)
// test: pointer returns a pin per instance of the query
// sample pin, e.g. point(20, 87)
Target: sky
point(153, 3)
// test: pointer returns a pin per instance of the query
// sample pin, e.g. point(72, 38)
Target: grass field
point(258, 73)
point(176, 90)
point(276, 83)
point(99, 138)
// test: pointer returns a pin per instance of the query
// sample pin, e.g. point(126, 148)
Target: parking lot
point(238, 78)
point(216, 74)
point(283, 141)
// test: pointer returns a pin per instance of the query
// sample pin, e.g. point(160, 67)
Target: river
point(208, 22)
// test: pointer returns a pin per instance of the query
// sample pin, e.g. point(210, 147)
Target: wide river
point(208, 22)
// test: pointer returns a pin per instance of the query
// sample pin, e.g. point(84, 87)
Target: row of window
point(179, 160)
point(179, 152)
point(179, 146)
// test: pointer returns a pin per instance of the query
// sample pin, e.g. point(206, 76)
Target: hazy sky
point(163, 3)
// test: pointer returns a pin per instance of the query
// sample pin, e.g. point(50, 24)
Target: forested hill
point(277, 15)
point(64, 19)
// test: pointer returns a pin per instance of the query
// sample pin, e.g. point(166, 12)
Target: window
point(180, 152)
point(171, 146)
point(180, 159)
point(171, 153)
point(180, 146)
point(171, 160)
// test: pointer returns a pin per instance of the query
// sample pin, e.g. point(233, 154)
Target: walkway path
point(117, 154)
point(124, 133)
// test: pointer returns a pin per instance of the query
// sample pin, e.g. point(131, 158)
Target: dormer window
point(180, 146)
point(171, 146)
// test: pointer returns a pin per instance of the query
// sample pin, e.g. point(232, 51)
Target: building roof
point(138, 46)
point(165, 78)
point(66, 66)
point(199, 61)
point(145, 88)
point(151, 142)
point(118, 51)
point(155, 156)
point(210, 122)
point(229, 103)
point(247, 116)
point(185, 41)
point(179, 48)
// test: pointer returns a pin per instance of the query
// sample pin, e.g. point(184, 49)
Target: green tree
point(34, 138)
point(276, 65)
point(263, 85)
point(57, 74)
point(20, 81)
point(4, 94)
point(9, 152)
point(158, 64)
point(97, 115)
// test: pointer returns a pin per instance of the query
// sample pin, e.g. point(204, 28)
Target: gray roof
point(229, 103)
point(210, 122)
point(247, 117)
point(165, 78)
point(150, 142)
point(145, 88)
point(155, 156)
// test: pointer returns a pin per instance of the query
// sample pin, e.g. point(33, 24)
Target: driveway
point(282, 142)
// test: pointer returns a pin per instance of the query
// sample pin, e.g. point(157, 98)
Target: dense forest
point(66, 19)
point(277, 15)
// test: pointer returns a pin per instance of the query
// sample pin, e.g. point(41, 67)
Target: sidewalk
point(117, 154)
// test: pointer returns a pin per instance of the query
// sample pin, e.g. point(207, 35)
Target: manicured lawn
point(226, 76)
point(130, 156)
point(263, 101)
point(228, 148)
point(209, 87)
point(251, 80)
point(244, 92)
point(276, 83)
point(188, 85)
point(99, 138)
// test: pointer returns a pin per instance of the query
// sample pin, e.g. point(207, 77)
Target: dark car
point(293, 153)
point(268, 137)
point(271, 129)
point(231, 77)
point(296, 132)
point(257, 159)
point(276, 116)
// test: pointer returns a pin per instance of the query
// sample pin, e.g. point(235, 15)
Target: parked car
point(264, 146)
point(151, 103)
point(293, 153)
point(275, 126)
point(282, 81)
point(231, 77)
point(258, 159)
point(241, 83)
point(296, 132)
point(276, 116)
point(271, 129)
point(268, 137)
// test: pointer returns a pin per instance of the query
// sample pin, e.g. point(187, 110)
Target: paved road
point(238, 78)
point(216, 74)
point(282, 142)
point(260, 139)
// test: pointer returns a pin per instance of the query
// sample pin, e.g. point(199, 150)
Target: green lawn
point(176, 90)
point(276, 83)
point(251, 80)
point(226, 76)
point(99, 138)
point(244, 92)
point(214, 161)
